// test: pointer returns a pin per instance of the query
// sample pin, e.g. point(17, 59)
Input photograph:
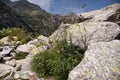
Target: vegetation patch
point(20, 55)
point(58, 61)
point(21, 34)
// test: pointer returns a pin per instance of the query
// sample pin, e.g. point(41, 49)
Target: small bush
point(21, 34)
point(57, 61)
point(21, 55)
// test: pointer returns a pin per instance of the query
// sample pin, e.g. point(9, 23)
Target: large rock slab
point(110, 13)
point(82, 34)
point(101, 62)
point(25, 48)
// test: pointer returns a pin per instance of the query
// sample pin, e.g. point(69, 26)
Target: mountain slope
point(39, 20)
point(9, 18)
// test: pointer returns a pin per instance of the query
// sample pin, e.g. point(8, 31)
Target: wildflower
point(47, 47)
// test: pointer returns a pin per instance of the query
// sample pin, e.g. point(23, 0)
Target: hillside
point(39, 20)
point(9, 18)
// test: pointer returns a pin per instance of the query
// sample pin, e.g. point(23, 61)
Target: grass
point(57, 61)
point(21, 34)
point(21, 55)
point(1, 44)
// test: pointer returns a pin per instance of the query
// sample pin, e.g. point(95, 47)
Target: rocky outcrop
point(60, 33)
point(110, 13)
point(101, 62)
point(82, 34)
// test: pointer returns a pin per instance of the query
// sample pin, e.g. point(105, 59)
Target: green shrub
point(21, 34)
point(57, 61)
point(1, 44)
point(21, 55)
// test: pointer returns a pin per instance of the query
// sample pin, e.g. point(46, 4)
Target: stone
point(101, 62)
point(21, 61)
point(11, 62)
point(18, 67)
point(5, 40)
point(6, 50)
point(5, 69)
point(59, 34)
point(8, 78)
point(23, 74)
point(32, 42)
point(82, 34)
point(13, 54)
point(16, 76)
point(11, 43)
point(26, 65)
point(18, 42)
point(15, 38)
point(7, 58)
point(25, 48)
point(43, 40)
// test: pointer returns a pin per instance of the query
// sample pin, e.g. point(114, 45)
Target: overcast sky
point(68, 6)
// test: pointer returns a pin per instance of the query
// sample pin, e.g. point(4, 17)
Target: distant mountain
point(38, 19)
point(9, 18)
